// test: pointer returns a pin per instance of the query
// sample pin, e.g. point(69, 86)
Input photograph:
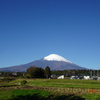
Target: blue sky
point(33, 29)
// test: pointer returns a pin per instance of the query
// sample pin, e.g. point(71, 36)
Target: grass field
point(50, 89)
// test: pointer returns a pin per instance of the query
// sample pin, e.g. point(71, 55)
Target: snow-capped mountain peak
point(54, 61)
point(55, 57)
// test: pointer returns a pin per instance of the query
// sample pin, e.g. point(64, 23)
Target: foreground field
point(50, 89)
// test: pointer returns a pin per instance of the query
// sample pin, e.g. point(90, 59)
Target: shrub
point(23, 82)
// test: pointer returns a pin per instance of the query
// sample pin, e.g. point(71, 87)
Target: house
point(86, 77)
point(98, 78)
point(53, 76)
point(14, 73)
point(60, 77)
point(94, 77)
point(74, 77)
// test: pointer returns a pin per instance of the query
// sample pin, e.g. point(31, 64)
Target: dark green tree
point(47, 72)
point(39, 73)
point(31, 72)
point(35, 72)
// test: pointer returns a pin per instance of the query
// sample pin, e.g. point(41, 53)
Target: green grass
point(22, 94)
point(49, 89)
point(92, 97)
point(65, 83)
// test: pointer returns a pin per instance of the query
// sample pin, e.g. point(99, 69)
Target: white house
point(60, 77)
point(86, 77)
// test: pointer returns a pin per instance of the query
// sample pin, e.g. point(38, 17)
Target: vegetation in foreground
point(30, 94)
point(49, 89)
point(35, 94)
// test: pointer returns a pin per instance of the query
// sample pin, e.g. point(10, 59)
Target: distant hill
point(54, 61)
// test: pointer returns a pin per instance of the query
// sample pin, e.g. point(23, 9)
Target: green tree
point(35, 72)
point(31, 72)
point(47, 72)
point(39, 73)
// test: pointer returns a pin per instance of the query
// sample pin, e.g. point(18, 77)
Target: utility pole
point(91, 73)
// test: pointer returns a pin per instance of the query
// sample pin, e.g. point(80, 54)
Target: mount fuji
point(54, 61)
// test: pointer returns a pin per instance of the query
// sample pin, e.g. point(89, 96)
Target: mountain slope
point(54, 61)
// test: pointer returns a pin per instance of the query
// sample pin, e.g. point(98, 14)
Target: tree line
point(36, 72)
point(74, 72)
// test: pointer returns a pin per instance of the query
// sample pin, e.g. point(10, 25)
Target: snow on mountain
point(55, 57)
point(54, 61)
